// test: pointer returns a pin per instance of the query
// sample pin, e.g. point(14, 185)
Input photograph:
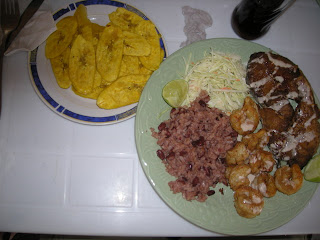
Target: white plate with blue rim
point(65, 102)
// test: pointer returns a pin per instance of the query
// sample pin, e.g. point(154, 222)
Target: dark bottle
point(251, 19)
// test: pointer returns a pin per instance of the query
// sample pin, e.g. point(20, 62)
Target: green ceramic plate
point(217, 214)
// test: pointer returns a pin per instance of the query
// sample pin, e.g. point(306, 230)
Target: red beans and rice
point(194, 142)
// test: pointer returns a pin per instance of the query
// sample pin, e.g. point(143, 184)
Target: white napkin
point(35, 32)
point(196, 22)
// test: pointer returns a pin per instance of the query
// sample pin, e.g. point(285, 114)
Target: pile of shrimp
point(250, 165)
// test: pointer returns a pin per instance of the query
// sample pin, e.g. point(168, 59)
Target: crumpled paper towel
point(196, 21)
point(34, 33)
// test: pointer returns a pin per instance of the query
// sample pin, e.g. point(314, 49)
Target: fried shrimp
point(289, 180)
point(246, 119)
point(238, 176)
point(256, 140)
point(261, 161)
point(237, 155)
point(265, 184)
point(248, 202)
point(229, 170)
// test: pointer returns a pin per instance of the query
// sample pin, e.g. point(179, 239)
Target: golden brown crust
point(289, 180)
point(248, 202)
point(275, 81)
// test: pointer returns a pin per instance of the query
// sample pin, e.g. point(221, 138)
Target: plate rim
point(58, 108)
point(162, 195)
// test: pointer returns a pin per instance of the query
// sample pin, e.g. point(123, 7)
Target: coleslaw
point(222, 76)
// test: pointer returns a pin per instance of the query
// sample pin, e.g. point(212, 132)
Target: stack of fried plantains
point(111, 63)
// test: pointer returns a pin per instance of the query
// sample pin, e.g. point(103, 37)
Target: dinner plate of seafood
point(73, 76)
point(230, 158)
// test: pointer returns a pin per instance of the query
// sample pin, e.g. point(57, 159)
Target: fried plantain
point(109, 54)
point(135, 45)
point(125, 19)
point(148, 31)
point(57, 42)
point(82, 65)
point(124, 91)
point(60, 68)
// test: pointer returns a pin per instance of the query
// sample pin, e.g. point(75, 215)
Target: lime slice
point(175, 92)
point(312, 170)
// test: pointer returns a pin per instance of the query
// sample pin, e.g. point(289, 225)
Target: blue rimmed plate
point(63, 101)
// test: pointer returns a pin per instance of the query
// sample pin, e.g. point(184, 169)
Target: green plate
point(217, 214)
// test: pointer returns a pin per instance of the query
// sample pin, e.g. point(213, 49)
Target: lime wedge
point(312, 170)
point(175, 92)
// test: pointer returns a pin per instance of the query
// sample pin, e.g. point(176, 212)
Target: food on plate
point(252, 176)
point(147, 30)
point(60, 68)
point(238, 176)
point(312, 170)
point(250, 169)
point(125, 19)
point(109, 54)
point(193, 145)
point(81, 15)
point(275, 81)
point(256, 140)
point(69, 24)
point(60, 63)
point(261, 161)
point(84, 24)
point(251, 165)
point(222, 76)
point(135, 45)
point(289, 179)
point(92, 95)
point(96, 89)
point(246, 175)
point(129, 65)
point(265, 184)
point(132, 65)
point(59, 40)
point(124, 91)
point(238, 154)
point(89, 57)
point(231, 93)
point(82, 65)
point(96, 34)
point(246, 119)
point(175, 92)
point(248, 202)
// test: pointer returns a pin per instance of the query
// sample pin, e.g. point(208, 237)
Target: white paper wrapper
point(34, 33)
point(196, 21)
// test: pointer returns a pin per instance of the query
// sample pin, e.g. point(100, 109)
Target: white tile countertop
point(61, 177)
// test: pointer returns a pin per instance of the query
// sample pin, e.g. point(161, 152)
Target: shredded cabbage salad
point(222, 76)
